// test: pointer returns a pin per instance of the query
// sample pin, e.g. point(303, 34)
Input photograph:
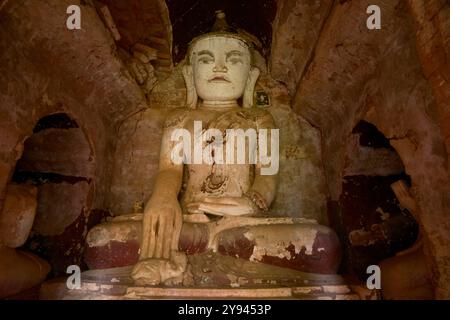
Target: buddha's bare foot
point(152, 272)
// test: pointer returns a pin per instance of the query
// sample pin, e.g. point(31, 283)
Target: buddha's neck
point(219, 104)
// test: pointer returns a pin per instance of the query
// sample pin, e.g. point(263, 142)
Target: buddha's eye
point(205, 60)
point(235, 60)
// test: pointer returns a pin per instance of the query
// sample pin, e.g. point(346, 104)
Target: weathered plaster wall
point(298, 25)
point(45, 69)
point(432, 30)
point(356, 73)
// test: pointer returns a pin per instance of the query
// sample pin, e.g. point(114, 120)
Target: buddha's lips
point(218, 79)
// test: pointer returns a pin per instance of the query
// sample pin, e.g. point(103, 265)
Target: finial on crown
point(221, 25)
point(223, 29)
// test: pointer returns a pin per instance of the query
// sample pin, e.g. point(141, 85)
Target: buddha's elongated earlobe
point(191, 93)
point(250, 87)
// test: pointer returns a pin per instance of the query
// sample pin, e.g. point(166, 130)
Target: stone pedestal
point(57, 289)
point(297, 244)
point(213, 276)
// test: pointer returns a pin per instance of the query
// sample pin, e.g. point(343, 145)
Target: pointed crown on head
point(222, 29)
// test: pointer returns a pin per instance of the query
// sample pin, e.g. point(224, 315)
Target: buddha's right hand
point(161, 228)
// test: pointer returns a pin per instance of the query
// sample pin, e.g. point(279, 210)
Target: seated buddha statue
point(201, 202)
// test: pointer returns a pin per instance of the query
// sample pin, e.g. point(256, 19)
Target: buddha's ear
point(250, 87)
point(191, 93)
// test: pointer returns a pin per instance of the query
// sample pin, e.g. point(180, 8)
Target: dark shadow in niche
point(371, 223)
point(56, 121)
point(369, 136)
point(40, 178)
point(191, 18)
point(375, 225)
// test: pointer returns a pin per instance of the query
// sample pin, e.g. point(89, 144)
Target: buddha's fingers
point(177, 223)
point(213, 208)
point(152, 237)
point(160, 236)
point(218, 207)
point(224, 200)
point(213, 200)
point(145, 237)
point(194, 211)
point(225, 209)
point(193, 206)
point(168, 237)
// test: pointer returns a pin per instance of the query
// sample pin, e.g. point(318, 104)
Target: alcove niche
point(373, 224)
point(58, 160)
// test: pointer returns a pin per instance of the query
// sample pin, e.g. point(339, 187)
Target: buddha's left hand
point(225, 206)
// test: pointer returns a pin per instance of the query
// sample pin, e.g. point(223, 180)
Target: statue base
point(209, 276)
point(57, 290)
point(292, 243)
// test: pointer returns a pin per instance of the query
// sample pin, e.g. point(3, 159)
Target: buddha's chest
point(234, 119)
point(222, 152)
point(228, 138)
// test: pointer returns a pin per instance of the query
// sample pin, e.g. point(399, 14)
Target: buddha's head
point(219, 68)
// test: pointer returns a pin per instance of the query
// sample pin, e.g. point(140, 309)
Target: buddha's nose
point(220, 67)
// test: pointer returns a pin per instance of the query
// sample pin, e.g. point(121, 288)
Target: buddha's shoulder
point(256, 114)
point(260, 112)
point(176, 117)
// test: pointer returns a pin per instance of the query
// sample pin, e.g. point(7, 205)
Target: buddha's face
point(221, 68)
